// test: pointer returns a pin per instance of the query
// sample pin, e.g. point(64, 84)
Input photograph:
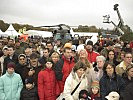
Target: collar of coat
point(9, 75)
point(75, 76)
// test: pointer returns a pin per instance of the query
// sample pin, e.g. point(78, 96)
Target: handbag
point(61, 97)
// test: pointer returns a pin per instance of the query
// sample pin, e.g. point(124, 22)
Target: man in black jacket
point(46, 53)
point(128, 93)
point(12, 57)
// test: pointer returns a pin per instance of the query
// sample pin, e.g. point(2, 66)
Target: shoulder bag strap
point(75, 88)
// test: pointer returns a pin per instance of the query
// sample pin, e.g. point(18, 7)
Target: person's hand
point(31, 72)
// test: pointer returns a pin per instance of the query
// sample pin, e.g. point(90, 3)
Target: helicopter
point(60, 32)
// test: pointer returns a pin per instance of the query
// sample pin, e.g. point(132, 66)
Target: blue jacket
point(107, 85)
point(10, 86)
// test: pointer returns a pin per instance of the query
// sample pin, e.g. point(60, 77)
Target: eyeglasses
point(110, 68)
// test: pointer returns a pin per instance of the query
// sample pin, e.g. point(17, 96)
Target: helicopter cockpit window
point(57, 36)
point(67, 36)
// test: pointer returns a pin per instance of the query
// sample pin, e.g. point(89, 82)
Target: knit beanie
point(29, 80)
point(11, 65)
point(95, 84)
point(90, 43)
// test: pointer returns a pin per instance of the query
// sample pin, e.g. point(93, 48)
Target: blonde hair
point(55, 54)
point(82, 50)
point(87, 63)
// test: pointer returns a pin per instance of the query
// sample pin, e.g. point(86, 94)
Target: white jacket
point(71, 82)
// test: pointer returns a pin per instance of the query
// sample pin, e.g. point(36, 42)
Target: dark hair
point(1, 53)
point(90, 43)
point(48, 60)
point(108, 55)
point(11, 47)
point(49, 42)
point(79, 65)
point(109, 43)
point(46, 49)
point(105, 66)
point(127, 53)
point(83, 94)
point(33, 56)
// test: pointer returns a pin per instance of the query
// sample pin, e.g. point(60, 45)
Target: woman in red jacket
point(48, 88)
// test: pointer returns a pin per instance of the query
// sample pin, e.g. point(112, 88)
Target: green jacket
point(10, 86)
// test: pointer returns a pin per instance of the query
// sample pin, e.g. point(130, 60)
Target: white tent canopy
point(39, 33)
point(2, 33)
point(11, 31)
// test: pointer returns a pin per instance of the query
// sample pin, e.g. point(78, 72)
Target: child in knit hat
point(29, 91)
point(95, 91)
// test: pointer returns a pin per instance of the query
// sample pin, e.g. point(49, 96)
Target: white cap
point(117, 45)
point(113, 96)
point(74, 47)
point(81, 46)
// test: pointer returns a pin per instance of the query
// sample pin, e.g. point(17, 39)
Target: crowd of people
point(44, 69)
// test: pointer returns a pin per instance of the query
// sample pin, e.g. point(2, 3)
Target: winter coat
point(29, 94)
point(10, 86)
point(96, 74)
point(7, 60)
point(90, 77)
point(94, 97)
point(48, 88)
point(107, 85)
point(37, 69)
point(0, 70)
point(20, 69)
point(128, 93)
point(92, 56)
point(62, 69)
point(126, 79)
point(71, 82)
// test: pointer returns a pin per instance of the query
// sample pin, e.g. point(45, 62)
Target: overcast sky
point(71, 12)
